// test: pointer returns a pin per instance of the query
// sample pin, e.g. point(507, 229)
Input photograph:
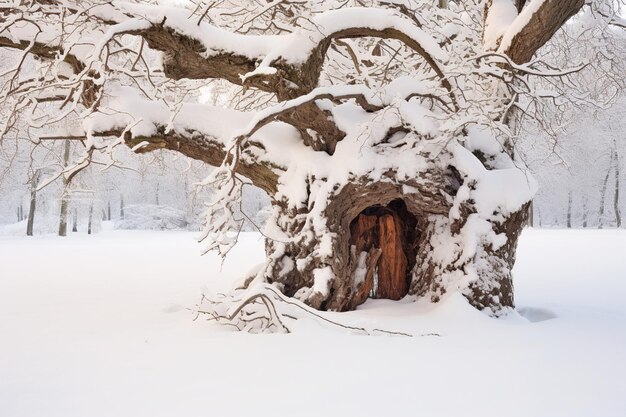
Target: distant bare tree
point(33, 202)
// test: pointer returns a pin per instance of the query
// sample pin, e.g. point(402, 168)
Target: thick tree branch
point(38, 49)
point(273, 71)
point(314, 124)
point(193, 145)
point(198, 146)
point(90, 90)
point(535, 26)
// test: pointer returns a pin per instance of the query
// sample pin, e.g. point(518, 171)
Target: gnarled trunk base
point(387, 239)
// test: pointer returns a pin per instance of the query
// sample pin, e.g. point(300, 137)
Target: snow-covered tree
point(381, 130)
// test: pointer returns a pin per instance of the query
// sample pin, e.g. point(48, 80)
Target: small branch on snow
point(264, 309)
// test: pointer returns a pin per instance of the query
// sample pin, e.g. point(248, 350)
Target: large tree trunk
point(388, 239)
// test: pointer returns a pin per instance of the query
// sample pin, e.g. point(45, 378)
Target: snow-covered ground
point(97, 326)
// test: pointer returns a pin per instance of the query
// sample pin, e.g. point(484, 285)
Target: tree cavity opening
point(383, 243)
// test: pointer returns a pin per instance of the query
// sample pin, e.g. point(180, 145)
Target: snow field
point(97, 326)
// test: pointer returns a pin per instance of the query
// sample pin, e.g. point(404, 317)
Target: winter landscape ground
point(97, 326)
point(382, 164)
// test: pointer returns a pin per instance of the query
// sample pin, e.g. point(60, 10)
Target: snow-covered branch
point(288, 65)
point(520, 35)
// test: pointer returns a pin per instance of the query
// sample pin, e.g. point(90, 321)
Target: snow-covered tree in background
point(582, 159)
point(571, 147)
point(383, 131)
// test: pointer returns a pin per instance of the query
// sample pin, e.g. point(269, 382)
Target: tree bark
point(64, 196)
point(90, 220)
point(33, 203)
point(75, 221)
point(542, 25)
point(63, 217)
point(384, 233)
point(618, 216)
point(569, 210)
point(603, 194)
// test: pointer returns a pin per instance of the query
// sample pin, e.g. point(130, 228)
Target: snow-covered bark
point(395, 116)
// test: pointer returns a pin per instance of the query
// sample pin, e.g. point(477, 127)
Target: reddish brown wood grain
point(392, 264)
point(381, 235)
